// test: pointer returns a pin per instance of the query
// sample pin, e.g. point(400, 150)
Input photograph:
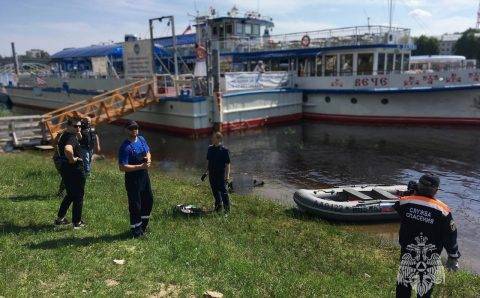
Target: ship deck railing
point(351, 36)
point(348, 36)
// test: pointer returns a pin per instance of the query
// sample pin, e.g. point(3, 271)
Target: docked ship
point(354, 74)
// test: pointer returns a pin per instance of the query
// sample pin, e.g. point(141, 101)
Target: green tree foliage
point(469, 44)
point(426, 46)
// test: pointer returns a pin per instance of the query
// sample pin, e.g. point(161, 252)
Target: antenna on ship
point(390, 13)
point(478, 16)
point(368, 19)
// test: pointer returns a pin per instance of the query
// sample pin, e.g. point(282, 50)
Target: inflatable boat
point(352, 203)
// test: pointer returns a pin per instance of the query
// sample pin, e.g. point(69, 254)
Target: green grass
point(261, 249)
point(5, 112)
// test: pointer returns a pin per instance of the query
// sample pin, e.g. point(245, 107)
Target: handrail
point(105, 107)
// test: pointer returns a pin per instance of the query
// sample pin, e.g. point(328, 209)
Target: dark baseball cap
point(131, 124)
point(429, 180)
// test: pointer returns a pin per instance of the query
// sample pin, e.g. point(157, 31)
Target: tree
point(468, 44)
point(426, 46)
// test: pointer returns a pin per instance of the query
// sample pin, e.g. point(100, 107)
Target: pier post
point(217, 94)
point(15, 60)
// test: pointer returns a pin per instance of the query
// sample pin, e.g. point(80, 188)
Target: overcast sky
point(53, 25)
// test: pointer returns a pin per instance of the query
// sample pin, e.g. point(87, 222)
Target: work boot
point(137, 232)
point(218, 208)
point(226, 209)
point(79, 225)
point(144, 225)
point(61, 221)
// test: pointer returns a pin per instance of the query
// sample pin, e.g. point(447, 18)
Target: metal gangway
point(106, 107)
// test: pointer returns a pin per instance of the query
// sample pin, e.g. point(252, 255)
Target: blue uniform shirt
point(132, 153)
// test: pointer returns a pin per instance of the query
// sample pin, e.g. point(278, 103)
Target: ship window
point(331, 65)
point(346, 62)
point(256, 30)
point(328, 99)
point(221, 30)
point(389, 62)
point(214, 30)
point(353, 100)
point(365, 64)
point(319, 62)
point(398, 62)
point(381, 63)
point(229, 28)
point(384, 101)
point(310, 67)
point(302, 67)
point(406, 61)
point(248, 29)
point(239, 28)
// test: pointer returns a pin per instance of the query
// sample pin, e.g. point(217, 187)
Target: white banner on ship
point(254, 80)
point(100, 66)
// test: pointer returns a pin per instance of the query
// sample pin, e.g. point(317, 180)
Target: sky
point(54, 25)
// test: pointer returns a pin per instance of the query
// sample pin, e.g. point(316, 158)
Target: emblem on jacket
point(421, 267)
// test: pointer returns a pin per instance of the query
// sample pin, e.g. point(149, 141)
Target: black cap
point(430, 181)
point(131, 124)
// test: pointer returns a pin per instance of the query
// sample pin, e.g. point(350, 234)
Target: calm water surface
point(315, 155)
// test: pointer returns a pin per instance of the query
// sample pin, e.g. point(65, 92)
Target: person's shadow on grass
point(76, 241)
point(31, 197)
point(10, 228)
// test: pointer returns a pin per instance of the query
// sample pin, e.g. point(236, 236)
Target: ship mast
point(390, 13)
point(478, 16)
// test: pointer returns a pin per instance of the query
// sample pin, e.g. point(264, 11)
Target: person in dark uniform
point(72, 172)
point(90, 143)
point(426, 228)
point(134, 159)
point(218, 171)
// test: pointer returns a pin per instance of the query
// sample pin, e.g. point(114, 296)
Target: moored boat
point(351, 203)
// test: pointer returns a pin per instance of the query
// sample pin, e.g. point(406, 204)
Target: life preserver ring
point(201, 53)
point(305, 41)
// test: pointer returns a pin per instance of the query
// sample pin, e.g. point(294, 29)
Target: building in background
point(36, 53)
point(447, 43)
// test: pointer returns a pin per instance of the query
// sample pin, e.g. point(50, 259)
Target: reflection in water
point(314, 155)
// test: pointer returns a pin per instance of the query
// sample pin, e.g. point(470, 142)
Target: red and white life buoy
point(305, 41)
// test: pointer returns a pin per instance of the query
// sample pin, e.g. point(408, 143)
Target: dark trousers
point(220, 193)
point(406, 291)
point(74, 180)
point(140, 198)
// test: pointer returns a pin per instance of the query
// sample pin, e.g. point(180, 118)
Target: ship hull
point(447, 106)
point(185, 116)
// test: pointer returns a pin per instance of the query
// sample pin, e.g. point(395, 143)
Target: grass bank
point(5, 112)
point(260, 250)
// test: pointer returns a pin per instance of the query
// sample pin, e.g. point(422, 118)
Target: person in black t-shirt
point(218, 171)
point(73, 174)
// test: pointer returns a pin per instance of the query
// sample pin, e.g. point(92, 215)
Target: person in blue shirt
point(218, 171)
point(134, 159)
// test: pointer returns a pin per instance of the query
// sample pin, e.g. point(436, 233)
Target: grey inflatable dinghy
point(352, 203)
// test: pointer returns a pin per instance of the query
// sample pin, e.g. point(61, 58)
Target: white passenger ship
point(355, 74)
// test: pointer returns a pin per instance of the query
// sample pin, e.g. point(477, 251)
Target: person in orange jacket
point(426, 228)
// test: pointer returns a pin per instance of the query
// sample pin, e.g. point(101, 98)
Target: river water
point(315, 155)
